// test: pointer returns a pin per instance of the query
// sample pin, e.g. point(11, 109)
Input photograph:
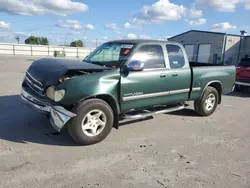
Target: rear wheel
point(93, 122)
point(208, 103)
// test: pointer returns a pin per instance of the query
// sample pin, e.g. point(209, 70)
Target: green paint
point(120, 83)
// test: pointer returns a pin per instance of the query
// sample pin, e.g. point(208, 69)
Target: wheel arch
point(111, 101)
point(217, 85)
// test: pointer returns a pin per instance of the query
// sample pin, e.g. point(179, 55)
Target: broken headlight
point(55, 95)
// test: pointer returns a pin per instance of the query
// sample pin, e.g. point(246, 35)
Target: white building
point(214, 47)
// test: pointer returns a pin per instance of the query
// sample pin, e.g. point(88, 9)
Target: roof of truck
point(137, 41)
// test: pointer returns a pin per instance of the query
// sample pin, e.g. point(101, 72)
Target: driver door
point(146, 88)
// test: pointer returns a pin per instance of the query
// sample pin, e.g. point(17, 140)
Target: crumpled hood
point(48, 70)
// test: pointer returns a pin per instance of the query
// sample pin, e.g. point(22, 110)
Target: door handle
point(175, 74)
point(163, 75)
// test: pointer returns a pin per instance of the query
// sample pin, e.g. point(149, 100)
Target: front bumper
point(59, 116)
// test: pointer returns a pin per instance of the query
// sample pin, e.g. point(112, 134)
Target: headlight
point(59, 95)
point(55, 95)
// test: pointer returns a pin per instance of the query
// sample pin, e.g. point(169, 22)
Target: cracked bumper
point(58, 115)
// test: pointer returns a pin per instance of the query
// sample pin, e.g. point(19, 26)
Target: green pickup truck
point(123, 79)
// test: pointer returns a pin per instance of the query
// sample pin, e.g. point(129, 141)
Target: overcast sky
point(89, 20)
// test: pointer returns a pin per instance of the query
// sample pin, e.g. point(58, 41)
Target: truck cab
point(166, 76)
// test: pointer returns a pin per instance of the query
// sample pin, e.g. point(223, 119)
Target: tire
point(86, 112)
point(200, 105)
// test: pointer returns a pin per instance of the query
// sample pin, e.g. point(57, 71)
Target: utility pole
point(18, 39)
point(242, 36)
point(84, 34)
point(84, 31)
point(65, 40)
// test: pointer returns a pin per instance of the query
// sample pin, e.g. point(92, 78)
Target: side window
point(175, 55)
point(151, 55)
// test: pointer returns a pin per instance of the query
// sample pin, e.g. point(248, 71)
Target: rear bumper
point(58, 115)
point(242, 83)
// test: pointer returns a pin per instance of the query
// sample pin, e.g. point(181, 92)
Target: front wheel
point(93, 122)
point(208, 103)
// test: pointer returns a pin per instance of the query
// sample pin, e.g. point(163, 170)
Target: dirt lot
point(174, 150)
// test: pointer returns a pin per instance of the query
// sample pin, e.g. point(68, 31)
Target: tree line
point(44, 41)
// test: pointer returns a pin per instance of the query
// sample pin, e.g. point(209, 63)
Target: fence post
point(48, 50)
point(14, 50)
point(31, 51)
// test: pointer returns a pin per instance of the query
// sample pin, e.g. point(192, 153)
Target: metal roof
point(210, 32)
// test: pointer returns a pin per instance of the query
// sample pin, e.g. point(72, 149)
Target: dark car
point(243, 74)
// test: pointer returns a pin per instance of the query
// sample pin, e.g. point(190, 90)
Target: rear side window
point(151, 55)
point(175, 55)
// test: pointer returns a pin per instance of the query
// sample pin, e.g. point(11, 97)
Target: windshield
point(110, 54)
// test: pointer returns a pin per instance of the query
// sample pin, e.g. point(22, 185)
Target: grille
point(34, 84)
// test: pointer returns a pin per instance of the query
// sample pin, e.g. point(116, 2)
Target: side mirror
point(135, 66)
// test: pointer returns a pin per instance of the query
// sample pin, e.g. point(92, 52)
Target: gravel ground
point(175, 150)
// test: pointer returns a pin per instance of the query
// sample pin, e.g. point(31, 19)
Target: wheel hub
point(93, 123)
point(210, 102)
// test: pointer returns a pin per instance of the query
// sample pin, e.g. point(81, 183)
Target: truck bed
point(204, 73)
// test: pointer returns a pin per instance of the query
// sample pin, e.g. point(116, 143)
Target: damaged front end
point(55, 94)
point(40, 87)
point(74, 73)
point(58, 115)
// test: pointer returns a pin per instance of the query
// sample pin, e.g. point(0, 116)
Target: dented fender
point(82, 87)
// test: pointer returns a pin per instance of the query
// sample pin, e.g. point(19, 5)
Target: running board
point(147, 113)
